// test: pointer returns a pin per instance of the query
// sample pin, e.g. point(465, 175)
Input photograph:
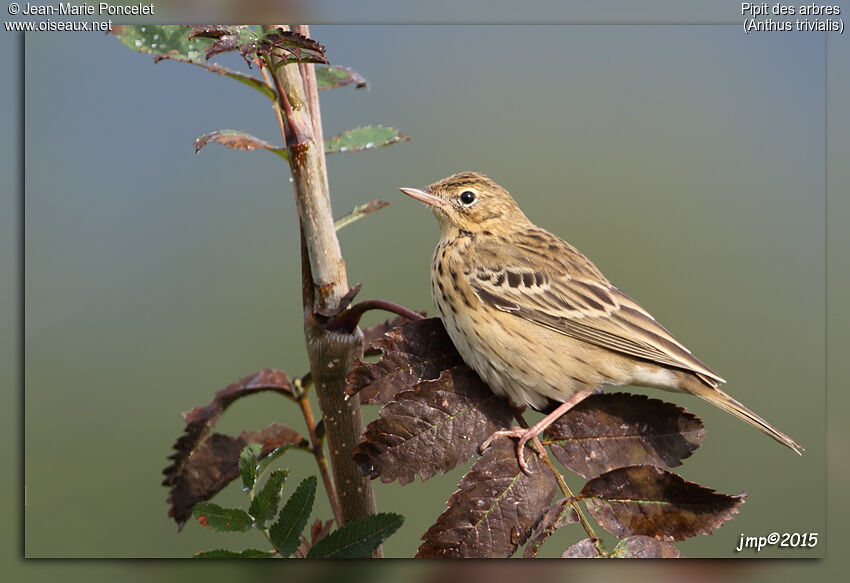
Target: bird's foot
point(524, 435)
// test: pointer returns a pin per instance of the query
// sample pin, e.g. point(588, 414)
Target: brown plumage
point(538, 321)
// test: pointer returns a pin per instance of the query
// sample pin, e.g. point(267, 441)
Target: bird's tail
point(717, 397)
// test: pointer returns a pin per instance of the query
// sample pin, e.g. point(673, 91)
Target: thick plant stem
point(324, 284)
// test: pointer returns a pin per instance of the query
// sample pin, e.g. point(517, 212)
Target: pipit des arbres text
point(538, 321)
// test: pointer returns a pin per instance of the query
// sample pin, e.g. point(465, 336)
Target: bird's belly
point(520, 360)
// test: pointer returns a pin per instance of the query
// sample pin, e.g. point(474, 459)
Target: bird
point(539, 322)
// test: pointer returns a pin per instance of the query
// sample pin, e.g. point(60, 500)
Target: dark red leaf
point(318, 531)
point(286, 45)
point(376, 332)
point(215, 463)
point(607, 431)
point(211, 30)
point(433, 428)
point(644, 547)
point(200, 420)
point(651, 501)
point(228, 37)
point(495, 508)
point(235, 140)
point(558, 515)
point(583, 549)
point(411, 353)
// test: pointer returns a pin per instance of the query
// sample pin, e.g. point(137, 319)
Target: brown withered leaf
point(495, 508)
point(558, 515)
point(644, 547)
point(285, 44)
point(227, 37)
point(583, 549)
point(318, 531)
point(237, 140)
point(291, 45)
point(607, 431)
point(651, 501)
point(200, 420)
point(432, 428)
point(414, 352)
point(215, 463)
point(376, 332)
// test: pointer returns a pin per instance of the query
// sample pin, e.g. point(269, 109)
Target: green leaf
point(358, 538)
point(165, 41)
point(248, 464)
point(222, 519)
point(264, 463)
point(264, 505)
point(365, 138)
point(224, 554)
point(285, 533)
point(173, 42)
point(331, 77)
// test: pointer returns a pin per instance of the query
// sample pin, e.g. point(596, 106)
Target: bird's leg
point(526, 434)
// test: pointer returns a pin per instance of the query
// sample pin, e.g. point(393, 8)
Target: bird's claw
point(523, 435)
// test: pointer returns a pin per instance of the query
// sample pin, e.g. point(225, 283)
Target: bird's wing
point(563, 291)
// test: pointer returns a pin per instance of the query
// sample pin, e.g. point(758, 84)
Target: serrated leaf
point(365, 138)
point(285, 533)
point(285, 45)
point(558, 515)
point(172, 42)
point(164, 41)
point(318, 531)
point(267, 460)
point(494, 509)
point(359, 212)
point(248, 458)
point(372, 334)
point(334, 76)
point(644, 547)
point(432, 428)
point(612, 430)
point(224, 554)
point(217, 518)
point(227, 37)
point(237, 140)
point(583, 549)
point(411, 353)
point(213, 464)
point(189, 480)
point(357, 538)
point(650, 501)
point(264, 505)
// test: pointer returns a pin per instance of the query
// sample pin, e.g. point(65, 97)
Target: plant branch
point(324, 286)
point(565, 490)
point(318, 450)
point(349, 319)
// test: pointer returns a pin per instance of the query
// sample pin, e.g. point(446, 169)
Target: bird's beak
point(424, 196)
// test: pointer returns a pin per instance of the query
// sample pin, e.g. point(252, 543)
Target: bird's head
point(469, 202)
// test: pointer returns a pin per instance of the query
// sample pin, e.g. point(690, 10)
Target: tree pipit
point(538, 321)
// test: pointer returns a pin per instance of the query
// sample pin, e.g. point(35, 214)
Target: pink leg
point(531, 433)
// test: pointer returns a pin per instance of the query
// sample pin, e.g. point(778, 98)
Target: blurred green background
point(687, 162)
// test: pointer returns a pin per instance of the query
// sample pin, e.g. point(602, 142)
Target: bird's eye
point(467, 197)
